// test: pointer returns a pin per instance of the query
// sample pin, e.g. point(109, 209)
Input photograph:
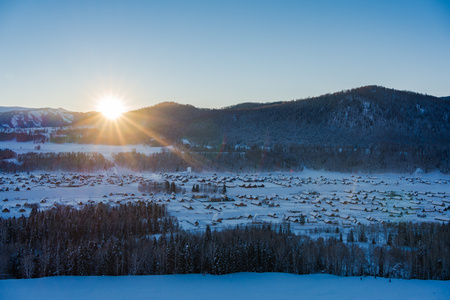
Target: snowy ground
point(233, 286)
point(323, 199)
point(105, 150)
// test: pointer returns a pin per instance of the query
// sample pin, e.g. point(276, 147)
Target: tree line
point(65, 161)
point(256, 158)
point(23, 137)
point(159, 187)
point(142, 239)
point(293, 157)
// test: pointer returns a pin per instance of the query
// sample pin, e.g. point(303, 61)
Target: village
point(306, 200)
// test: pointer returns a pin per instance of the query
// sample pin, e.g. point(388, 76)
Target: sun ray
point(111, 107)
point(121, 131)
point(191, 159)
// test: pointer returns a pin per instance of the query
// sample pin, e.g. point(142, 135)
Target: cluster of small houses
point(345, 208)
point(30, 182)
point(17, 182)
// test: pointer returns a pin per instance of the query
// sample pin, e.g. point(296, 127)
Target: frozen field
point(233, 286)
point(105, 150)
point(312, 198)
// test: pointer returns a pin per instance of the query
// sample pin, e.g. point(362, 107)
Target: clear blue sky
point(217, 53)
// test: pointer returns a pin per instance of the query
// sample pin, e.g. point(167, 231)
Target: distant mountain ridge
point(361, 117)
point(39, 117)
point(365, 116)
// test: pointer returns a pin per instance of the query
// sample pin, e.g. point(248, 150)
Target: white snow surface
point(323, 199)
point(232, 286)
point(105, 150)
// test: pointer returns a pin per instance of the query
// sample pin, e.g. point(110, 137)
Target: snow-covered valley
point(306, 199)
point(314, 203)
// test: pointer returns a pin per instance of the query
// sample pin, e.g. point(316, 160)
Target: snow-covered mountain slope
point(42, 117)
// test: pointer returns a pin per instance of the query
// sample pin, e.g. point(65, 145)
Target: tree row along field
point(240, 159)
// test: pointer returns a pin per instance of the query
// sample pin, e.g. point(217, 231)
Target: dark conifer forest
point(141, 238)
point(65, 161)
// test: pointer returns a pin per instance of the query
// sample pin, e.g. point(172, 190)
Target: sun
point(111, 107)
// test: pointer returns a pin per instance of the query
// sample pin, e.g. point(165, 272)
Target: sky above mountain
point(217, 53)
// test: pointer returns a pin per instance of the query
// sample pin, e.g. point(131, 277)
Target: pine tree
point(350, 237)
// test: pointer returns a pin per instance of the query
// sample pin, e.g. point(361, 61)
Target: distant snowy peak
point(42, 117)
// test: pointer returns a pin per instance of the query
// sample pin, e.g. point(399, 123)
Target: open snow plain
point(306, 199)
point(106, 150)
point(233, 286)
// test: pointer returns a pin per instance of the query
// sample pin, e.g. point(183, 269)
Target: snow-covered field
point(105, 150)
point(233, 286)
point(323, 199)
point(318, 198)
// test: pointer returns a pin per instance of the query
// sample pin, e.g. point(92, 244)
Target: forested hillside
point(363, 117)
point(365, 129)
point(360, 117)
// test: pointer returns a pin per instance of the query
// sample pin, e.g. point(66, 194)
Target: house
point(295, 219)
point(247, 216)
point(314, 214)
point(256, 202)
point(188, 207)
point(217, 219)
point(272, 215)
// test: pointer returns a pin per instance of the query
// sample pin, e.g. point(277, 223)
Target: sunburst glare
point(111, 107)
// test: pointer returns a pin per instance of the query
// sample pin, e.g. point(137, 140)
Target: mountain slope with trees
point(361, 117)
